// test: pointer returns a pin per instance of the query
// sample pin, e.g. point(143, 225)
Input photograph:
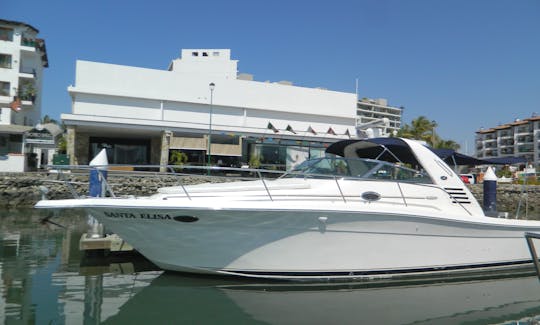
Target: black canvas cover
point(399, 151)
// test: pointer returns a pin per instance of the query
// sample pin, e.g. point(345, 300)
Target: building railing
point(28, 42)
point(31, 98)
point(31, 71)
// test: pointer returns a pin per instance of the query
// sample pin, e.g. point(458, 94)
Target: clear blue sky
point(465, 64)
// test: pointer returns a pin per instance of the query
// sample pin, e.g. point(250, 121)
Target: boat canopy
point(397, 150)
point(387, 149)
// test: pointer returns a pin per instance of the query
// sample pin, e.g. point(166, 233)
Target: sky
point(465, 64)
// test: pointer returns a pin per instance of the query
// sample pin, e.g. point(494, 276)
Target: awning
point(452, 157)
point(507, 160)
point(14, 129)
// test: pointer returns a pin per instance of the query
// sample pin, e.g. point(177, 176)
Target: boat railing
point(529, 237)
point(216, 173)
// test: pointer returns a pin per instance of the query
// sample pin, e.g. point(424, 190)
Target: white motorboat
point(331, 218)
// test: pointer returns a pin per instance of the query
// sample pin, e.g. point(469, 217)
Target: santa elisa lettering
point(128, 215)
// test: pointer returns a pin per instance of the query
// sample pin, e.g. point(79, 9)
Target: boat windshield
point(358, 168)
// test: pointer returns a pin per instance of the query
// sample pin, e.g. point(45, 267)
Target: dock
point(111, 242)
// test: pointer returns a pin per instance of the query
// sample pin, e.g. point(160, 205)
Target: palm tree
point(47, 119)
point(447, 144)
point(420, 129)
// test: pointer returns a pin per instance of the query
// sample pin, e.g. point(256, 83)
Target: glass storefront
point(282, 154)
point(122, 151)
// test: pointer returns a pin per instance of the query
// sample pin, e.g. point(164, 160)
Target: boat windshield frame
point(358, 168)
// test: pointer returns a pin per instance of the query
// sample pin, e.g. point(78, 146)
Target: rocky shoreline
point(18, 190)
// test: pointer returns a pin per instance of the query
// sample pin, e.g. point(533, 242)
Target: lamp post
point(433, 125)
point(212, 86)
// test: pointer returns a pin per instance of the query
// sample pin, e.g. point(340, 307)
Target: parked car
point(467, 178)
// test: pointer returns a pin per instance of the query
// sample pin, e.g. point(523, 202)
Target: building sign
point(39, 137)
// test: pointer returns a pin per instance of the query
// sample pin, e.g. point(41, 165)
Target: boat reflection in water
point(178, 298)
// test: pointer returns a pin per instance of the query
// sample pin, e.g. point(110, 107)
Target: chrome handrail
point(258, 172)
point(182, 185)
point(339, 188)
point(266, 187)
point(104, 180)
point(532, 250)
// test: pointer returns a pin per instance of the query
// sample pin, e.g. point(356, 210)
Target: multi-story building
point(201, 105)
point(520, 138)
point(23, 58)
point(371, 111)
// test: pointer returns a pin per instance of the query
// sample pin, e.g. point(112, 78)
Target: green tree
point(178, 158)
point(255, 161)
point(62, 144)
point(447, 144)
point(420, 129)
point(47, 119)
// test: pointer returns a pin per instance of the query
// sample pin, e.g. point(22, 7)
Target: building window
point(122, 151)
point(5, 61)
point(225, 139)
point(28, 41)
point(215, 53)
point(4, 88)
point(204, 53)
point(194, 53)
point(6, 34)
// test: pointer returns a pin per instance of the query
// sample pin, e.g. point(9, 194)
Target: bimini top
point(387, 149)
point(397, 150)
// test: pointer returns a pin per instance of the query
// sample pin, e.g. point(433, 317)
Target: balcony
point(525, 139)
point(28, 44)
point(27, 90)
point(506, 143)
point(526, 148)
point(523, 129)
point(28, 99)
point(25, 72)
point(26, 41)
point(507, 151)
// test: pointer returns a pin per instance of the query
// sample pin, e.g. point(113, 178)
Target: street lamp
point(212, 86)
point(433, 125)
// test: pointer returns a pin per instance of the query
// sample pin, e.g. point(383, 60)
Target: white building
point(23, 58)
point(520, 138)
point(370, 111)
point(142, 115)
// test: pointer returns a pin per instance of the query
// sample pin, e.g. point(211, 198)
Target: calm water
point(46, 280)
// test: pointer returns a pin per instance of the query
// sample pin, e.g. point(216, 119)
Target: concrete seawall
point(22, 189)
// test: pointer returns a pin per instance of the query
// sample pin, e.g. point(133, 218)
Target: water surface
point(44, 279)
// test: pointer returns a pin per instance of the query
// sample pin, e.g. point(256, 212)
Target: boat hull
point(314, 244)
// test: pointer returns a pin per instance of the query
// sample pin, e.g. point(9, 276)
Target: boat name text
point(128, 215)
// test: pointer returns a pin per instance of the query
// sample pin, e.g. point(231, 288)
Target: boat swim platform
point(111, 242)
